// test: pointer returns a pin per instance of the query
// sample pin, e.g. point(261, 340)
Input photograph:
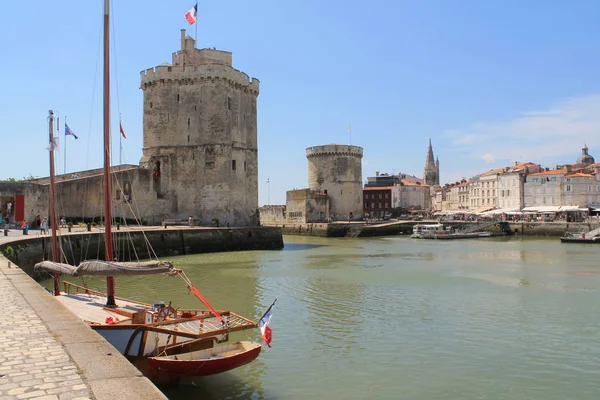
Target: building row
point(524, 186)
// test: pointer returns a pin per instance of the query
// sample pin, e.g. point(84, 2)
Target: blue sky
point(491, 82)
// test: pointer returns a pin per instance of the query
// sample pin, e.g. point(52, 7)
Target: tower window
point(245, 165)
point(188, 122)
point(195, 109)
point(229, 103)
point(150, 104)
point(233, 165)
point(188, 138)
point(177, 97)
point(168, 117)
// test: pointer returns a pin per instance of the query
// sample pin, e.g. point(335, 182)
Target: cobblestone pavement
point(33, 363)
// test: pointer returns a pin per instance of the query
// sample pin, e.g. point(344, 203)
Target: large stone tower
point(431, 175)
point(200, 136)
point(337, 170)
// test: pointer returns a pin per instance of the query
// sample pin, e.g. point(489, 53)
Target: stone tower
point(337, 170)
point(431, 175)
point(200, 136)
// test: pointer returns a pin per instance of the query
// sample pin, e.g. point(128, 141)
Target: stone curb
point(106, 373)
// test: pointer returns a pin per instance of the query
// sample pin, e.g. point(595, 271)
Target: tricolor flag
point(190, 16)
point(68, 131)
point(122, 131)
point(264, 323)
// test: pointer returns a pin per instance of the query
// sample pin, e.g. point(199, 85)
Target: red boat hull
point(179, 367)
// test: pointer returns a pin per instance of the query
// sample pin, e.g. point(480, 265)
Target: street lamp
point(268, 191)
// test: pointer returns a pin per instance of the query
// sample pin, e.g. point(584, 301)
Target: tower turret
point(337, 170)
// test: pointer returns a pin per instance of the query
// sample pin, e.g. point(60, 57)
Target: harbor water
point(401, 318)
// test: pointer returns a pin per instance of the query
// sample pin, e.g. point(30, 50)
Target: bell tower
point(431, 175)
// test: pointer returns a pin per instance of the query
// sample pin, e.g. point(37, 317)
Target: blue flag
point(68, 131)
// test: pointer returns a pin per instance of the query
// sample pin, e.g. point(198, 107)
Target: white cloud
point(488, 158)
point(544, 136)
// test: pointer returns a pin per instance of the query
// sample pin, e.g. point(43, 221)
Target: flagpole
point(196, 26)
point(65, 165)
point(120, 143)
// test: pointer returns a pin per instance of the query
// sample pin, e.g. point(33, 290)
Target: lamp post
point(268, 191)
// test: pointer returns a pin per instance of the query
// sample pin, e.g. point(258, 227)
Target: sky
point(490, 82)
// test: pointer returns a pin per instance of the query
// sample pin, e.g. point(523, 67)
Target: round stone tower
point(337, 170)
point(200, 136)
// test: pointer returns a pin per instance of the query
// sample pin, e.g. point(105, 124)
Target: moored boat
point(139, 330)
point(427, 231)
point(183, 366)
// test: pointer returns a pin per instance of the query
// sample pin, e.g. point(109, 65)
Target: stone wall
point(337, 171)
point(84, 198)
point(36, 198)
point(167, 242)
point(272, 215)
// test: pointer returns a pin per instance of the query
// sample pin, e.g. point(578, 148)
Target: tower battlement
point(334, 150)
point(198, 75)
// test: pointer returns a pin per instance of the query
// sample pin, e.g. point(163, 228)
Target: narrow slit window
point(233, 165)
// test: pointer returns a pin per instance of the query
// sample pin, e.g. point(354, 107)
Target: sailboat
point(167, 344)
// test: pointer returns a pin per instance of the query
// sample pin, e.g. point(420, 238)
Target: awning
point(543, 209)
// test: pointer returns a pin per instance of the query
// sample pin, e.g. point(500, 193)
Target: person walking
point(191, 221)
point(44, 226)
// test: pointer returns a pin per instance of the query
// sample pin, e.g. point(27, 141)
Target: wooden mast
point(53, 223)
point(108, 252)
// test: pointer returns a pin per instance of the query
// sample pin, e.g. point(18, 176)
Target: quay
point(390, 228)
point(47, 353)
point(26, 250)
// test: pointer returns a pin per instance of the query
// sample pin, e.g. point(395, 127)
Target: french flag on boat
point(190, 16)
point(264, 323)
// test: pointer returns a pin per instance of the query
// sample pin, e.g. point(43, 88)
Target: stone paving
point(48, 353)
point(33, 364)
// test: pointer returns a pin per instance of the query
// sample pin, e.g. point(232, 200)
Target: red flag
point(122, 131)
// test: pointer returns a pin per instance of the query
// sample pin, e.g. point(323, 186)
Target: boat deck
point(91, 308)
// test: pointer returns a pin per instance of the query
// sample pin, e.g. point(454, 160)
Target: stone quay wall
point(549, 229)
point(166, 242)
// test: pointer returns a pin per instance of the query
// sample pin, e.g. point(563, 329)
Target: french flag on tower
point(190, 16)
point(264, 323)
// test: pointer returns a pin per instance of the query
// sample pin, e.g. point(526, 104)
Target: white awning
point(569, 208)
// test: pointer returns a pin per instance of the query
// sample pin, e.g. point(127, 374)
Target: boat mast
point(53, 202)
point(108, 253)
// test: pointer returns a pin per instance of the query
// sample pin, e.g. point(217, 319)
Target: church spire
point(429, 162)
point(431, 173)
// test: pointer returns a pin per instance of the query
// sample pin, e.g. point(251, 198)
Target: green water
point(399, 318)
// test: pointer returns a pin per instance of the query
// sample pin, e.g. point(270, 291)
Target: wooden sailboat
point(166, 344)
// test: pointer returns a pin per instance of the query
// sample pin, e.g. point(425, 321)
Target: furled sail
point(54, 267)
point(105, 268)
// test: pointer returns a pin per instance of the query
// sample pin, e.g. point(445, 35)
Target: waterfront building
point(544, 188)
point(306, 206)
point(414, 195)
point(381, 201)
point(463, 195)
point(510, 185)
